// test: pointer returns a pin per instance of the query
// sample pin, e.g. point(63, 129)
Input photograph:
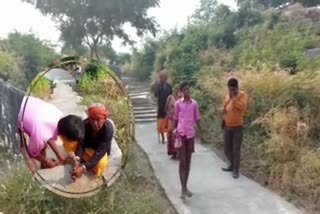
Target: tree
point(122, 59)
point(109, 53)
point(95, 22)
point(143, 61)
point(279, 3)
point(34, 52)
point(69, 49)
point(221, 13)
point(206, 11)
point(10, 69)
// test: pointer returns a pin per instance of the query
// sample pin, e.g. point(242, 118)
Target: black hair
point(72, 128)
point(233, 82)
point(183, 85)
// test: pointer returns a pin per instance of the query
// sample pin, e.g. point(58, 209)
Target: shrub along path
point(214, 191)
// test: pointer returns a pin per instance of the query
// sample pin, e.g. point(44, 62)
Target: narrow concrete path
point(215, 191)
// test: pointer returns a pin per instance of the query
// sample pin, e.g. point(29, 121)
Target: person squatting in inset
point(186, 116)
point(92, 143)
point(162, 92)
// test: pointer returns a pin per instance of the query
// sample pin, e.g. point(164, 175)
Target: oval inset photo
point(76, 126)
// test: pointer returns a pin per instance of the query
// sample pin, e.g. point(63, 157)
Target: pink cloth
point(40, 120)
point(186, 114)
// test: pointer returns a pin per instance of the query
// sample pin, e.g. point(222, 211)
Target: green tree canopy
point(10, 69)
point(34, 52)
point(94, 22)
point(206, 11)
point(277, 3)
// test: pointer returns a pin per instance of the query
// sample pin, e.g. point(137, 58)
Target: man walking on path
point(186, 116)
point(233, 110)
point(162, 93)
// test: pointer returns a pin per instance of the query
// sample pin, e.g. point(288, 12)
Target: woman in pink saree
point(170, 108)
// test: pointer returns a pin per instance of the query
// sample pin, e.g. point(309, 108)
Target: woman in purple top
point(186, 116)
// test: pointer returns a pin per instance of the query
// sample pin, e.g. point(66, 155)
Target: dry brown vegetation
point(297, 11)
point(106, 91)
point(281, 145)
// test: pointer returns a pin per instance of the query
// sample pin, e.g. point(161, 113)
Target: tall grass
point(102, 88)
point(281, 129)
point(135, 192)
point(41, 89)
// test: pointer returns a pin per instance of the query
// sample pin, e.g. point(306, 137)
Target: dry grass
point(137, 191)
point(296, 11)
point(294, 162)
point(106, 91)
point(41, 88)
point(213, 56)
point(282, 131)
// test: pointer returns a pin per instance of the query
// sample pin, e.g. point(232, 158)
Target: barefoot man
point(233, 110)
point(162, 93)
point(186, 116)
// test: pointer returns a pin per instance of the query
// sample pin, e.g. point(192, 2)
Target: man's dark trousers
point(232, 145)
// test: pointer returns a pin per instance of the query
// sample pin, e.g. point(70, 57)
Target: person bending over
point(37, 127)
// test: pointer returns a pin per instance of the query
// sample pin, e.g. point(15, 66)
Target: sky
point(23, 17)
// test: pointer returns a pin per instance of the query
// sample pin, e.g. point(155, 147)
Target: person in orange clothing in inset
point(233, 110)
point(94, 147)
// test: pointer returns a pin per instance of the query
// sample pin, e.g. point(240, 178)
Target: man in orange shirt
point(233, 110)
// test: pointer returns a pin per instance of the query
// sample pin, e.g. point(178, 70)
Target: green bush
point(10, 69)
point(34, 52)
point(290, 61)
point(40, 87)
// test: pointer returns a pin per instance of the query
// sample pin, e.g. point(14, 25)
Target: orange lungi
point(162, 125)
